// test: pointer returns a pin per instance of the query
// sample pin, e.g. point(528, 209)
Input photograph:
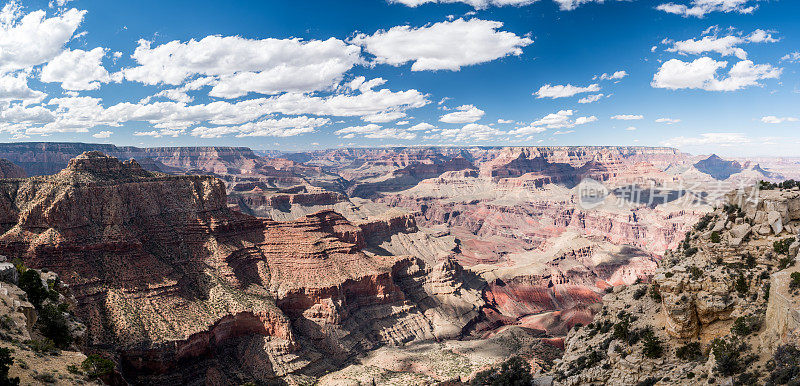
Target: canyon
point(398, 265)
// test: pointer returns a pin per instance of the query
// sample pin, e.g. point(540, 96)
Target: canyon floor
point(214, 265)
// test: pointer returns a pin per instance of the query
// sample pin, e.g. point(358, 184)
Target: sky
point(705, 76)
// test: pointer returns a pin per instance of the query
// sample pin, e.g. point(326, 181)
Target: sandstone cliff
point(178, 288)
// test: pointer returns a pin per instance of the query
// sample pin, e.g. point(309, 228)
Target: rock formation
point(179, 288)
point(715, 310)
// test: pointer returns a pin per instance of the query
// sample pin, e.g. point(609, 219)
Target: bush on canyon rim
point(96, 366)
point(785, 366)
point(514, 371)
point(5, 364)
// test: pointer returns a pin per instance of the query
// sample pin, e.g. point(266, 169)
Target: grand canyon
point(213, 265)
point(400, 192)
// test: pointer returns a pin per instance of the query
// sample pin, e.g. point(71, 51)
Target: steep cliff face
point(714, 312)
point(11, 170)
point(181, 289)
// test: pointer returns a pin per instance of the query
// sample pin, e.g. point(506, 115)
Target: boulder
point(775, 221)
point(720, 225)
point(740, 231)
point(760, 217)
point(8, 273)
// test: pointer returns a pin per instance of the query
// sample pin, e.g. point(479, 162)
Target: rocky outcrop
point(10, 170)
point(237, 298)
point(715, 310)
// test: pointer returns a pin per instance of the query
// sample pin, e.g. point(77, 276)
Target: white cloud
point(699, 8)
point(591, 98)
point(559, 120)
point(14, 87)
point(631, 128)
point(421, 127)
point(32, 39)
point(562, 132)
point(668, 121)
point(504, 121)
point(374, 131)
point(383, 117)
point(401, 123)
point(564, 91)
point(102, 134)
point(77, 70)
point(628, 117)
point(472, 132)
point(725, 45)
point(447, 45)
point(464, 114)
point(283, 127)
point(702, 74)
point(241, 66)
point(564, 5)
point(478, 4)
point(761, 36)
point(719, 139)
point(615, 76)
point(775, 120)
point(159, 133)
point(791, 57)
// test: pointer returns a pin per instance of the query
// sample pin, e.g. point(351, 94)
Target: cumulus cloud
point(591, 98)
point(614, 76)
point(702, 74)
point(463, 114)
point(628, 117)
point(283, 127)
point(631, 128)
point(32, 39)
point(471, 132)
point(241, 66)
point(447, 45)
point(791, 57)
point(77, 70)
point(559, 120)
point(383, 117)
point(102, 134)
point(724, 45)
point(700, 8)
point(564, 5)
point(374, 131)
point(668, 121)
point(14, 87)
point(775, 120)
point(564, 91)
point(422, 126)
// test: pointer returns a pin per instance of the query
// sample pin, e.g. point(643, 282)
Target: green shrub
point(795, 280)
point(702, 224)
point(741, 285)
point(715, 237)
point(45, 378)
point(53, 325)
point(514, 371)
point(689, 252)
point(745, 325)
point(729, 356)
point(785, 366)
point(695, 272)
point(750, 261)
point(73, 369)
point(689, 352)
point(31, 283)
point(42, 346)
point(641, 291)
point(782, 246)
point(652, 346)
point(785, 262)
point(650, 381)
point(654, 294)
point(96, 366)
point(5, 364)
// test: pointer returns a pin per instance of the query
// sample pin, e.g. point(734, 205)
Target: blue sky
point(702, 75)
